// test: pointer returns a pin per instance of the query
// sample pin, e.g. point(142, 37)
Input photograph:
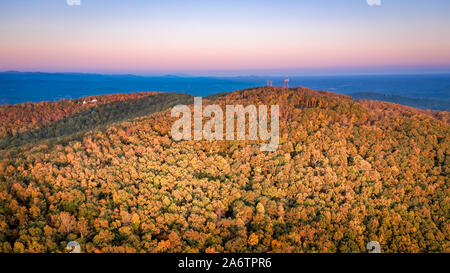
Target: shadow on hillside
point(100, 116)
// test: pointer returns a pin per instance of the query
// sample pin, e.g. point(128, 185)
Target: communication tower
point(286, 82)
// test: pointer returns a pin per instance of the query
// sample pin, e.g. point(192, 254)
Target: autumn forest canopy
point(104, 171)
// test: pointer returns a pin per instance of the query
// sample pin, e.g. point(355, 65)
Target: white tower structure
point(286, 82)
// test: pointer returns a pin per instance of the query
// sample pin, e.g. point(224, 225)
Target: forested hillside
point(109, 176)
point(31, 122)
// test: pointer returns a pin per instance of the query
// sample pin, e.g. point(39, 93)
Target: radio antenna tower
point(286, 82)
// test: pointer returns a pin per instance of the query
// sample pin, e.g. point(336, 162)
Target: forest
point(109, 176)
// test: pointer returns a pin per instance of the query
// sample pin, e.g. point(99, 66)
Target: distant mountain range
point(427, 91)
point(442, 104)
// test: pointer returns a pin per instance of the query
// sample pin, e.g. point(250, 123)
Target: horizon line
point(203, 75)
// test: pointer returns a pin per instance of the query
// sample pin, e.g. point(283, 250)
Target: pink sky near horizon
point(141, 44)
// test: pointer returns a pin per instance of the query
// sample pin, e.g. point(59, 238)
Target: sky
point(225, 37)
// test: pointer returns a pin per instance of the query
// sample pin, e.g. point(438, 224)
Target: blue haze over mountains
point(427, 91)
